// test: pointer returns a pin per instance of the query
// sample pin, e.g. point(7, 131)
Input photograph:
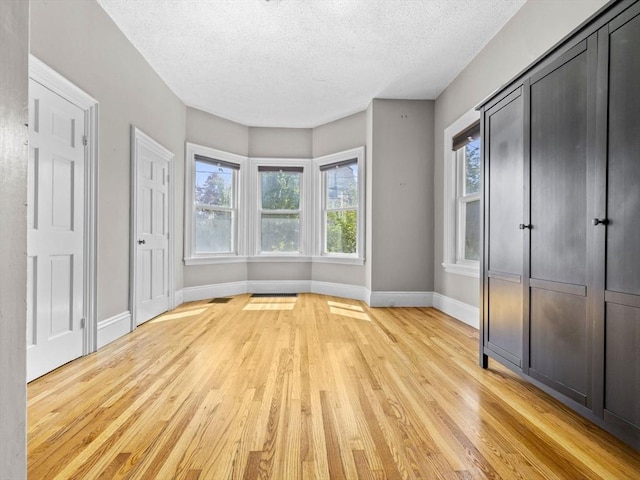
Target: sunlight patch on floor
point(176, 316)
point(345, 305)
point(273, 300)
point(349, 313)
point(269, 306)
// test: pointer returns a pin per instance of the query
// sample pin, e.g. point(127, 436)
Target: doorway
point(60, 221)
point(152, 290)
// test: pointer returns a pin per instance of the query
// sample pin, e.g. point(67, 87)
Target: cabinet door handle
point(599, 221)
point(141, 242)
point(522, 226)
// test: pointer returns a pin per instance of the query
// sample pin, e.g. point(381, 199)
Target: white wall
point(80, 41)
point(534, 29)
point(14, 38)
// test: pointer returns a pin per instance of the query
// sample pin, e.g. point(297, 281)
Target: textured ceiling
point(302, 63)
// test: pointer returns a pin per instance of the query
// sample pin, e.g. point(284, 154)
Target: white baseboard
point(113, 328)
point(401, 299)
point(459, 310)
point(462, 311)
point(192, 294)
point(178, 298)
point(353, 292)
point(278, 286)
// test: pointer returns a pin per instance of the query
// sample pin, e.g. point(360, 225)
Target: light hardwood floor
point(309, 388)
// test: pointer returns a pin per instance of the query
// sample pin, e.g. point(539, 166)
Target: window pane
point(342, 231)
point(280, 232)
point(472, 231)
point(213, 231)
point(214, 185)
point(342, 186)
point(280, 190)
point(472, 167)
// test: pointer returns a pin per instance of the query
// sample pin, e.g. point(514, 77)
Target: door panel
point(623, 201)
point(504, 159)
point(621, 343)
point(504, 333)
point(151, 227)
point(622, 362)
point(55, 240)
point(559, 351)
point(558, 174)
point(505, 187)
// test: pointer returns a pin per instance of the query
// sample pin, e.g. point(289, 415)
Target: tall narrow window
point(215, 206)
point(340, 207)
point(280, 209)
point(466, 146)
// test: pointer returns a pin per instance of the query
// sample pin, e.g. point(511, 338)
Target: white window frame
point(462, 201)
point(321, 256)
point(453, 222)
point(238, 229)
point(305, 211)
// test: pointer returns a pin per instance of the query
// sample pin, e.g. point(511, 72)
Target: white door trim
point(138, 135)
point(49, 78)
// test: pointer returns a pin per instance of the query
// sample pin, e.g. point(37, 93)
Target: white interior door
point(55, 238)
point(151, 227)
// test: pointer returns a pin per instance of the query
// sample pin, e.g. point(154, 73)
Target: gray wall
point(402, 200)
point(280, 142)
point(14, 38)
point(535, 28)
point(211, 131)
point(215, 132)
point(338, 136)
point(79, 40)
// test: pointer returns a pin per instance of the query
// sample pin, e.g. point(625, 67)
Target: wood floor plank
point(214, 391)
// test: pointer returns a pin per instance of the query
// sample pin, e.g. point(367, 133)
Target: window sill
point(466, 270)
point(279, 258)
point(214, 260)
point(339, 260)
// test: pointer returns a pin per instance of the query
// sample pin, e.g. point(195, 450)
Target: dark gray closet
point(561, 257)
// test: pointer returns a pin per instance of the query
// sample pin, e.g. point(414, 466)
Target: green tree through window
point(214, 207)
point(280, 213)
point(341, 207)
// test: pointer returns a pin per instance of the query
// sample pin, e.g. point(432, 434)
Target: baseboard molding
point(401, 299)
point(278, 286)
point(353, 292)
point(457, 309)
point(192, 294)
point(113, 328)
point(178, 298)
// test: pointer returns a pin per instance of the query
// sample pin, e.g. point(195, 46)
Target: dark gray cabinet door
point(504, 195)
point(621, 327)
point(560, 116)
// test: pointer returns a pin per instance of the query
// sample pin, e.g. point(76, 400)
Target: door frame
point(138, 136)
point(54, 81)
